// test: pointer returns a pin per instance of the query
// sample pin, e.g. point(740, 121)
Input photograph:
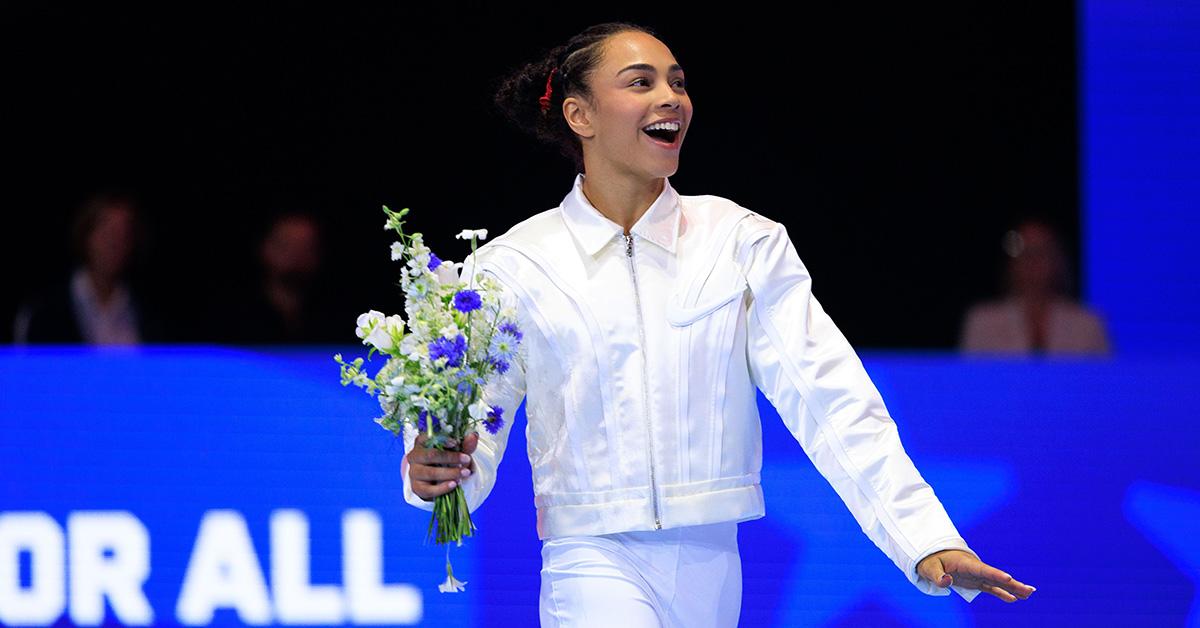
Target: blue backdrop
point(193, 484)
point(210, 485)
point(1140, 161)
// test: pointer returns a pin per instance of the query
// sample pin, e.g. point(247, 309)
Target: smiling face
point(638, 83)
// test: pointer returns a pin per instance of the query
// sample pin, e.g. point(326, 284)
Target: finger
point(998, 592)
point(470, 442)
point(1018, 588)
point(984, 571)
point(430, 492)
point(431, 474)
point(443, 458)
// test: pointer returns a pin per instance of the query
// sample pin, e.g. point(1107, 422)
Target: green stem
point(451, 518)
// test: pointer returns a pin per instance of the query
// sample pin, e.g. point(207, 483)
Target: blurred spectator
point(1036, 315)
point(289, 302)
point(98, 304)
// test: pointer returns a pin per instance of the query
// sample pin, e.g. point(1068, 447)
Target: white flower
point(447, 273)
point(394, 325)
point(397, 250)
point(452, 584)
point(376, 329)
point(411, 347)
point(367, 323)
point(467, 234)
point(419, 262)
point(420, 286)
point(479, 410)
point(450, 331)
point(380, 338)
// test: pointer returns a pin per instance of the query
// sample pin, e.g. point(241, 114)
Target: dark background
point(896, 144)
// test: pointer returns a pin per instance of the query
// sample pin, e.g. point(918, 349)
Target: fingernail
point(453, 483)
point(466, 472)
point(1032, 588)
point(464, 458)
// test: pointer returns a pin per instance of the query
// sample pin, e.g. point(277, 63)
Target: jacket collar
point(660, 223)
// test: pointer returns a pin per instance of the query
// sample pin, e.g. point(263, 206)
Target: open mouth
point(663, 135)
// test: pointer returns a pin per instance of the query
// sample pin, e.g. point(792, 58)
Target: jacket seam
point(619, 459)
point(605, 502)
point(723, 235)
point(569, 394)
point(802, 383)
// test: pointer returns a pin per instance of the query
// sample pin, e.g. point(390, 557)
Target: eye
point(680, 83)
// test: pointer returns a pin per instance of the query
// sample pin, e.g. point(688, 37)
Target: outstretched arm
point(808, 370)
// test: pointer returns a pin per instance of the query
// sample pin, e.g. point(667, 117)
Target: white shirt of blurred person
point(102, 306)
point(1036, 315)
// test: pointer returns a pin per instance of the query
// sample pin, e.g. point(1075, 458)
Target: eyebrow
point(649, 68)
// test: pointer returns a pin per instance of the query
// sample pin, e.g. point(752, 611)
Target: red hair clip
point(545, 99)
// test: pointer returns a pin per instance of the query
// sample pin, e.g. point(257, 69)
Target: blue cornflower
point(434, 261)
point(511, 328)
point(453, 350)
point(495, 420)
point(500, 364)
point(504, 344)
point(466, 300)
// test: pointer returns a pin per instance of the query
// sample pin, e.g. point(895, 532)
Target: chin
point(667, 171)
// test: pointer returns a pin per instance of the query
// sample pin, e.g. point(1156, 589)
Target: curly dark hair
point(517, 93)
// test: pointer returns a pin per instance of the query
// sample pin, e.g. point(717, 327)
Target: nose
point(672, 99)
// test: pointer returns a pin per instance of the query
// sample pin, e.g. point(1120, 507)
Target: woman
point(650, 318)
point(1037, 315)
point(100, 302)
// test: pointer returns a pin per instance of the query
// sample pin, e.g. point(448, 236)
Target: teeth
point(666, 126)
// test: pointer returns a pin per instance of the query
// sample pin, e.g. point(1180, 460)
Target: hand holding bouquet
point(456, 338)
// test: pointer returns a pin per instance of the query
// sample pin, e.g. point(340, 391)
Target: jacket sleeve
point(805, 366)
point(506, 390)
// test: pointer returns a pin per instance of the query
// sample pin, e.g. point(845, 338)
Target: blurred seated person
point(1036, 315)
point(98, 303)
point(287, 302)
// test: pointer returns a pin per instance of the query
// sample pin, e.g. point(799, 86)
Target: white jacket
point(639, 366)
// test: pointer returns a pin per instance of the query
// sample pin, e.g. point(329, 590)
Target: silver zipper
point(645, 384)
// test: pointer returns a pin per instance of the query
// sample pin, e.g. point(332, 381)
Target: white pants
point(690, 576)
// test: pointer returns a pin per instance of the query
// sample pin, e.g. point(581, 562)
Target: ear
point(578, 117)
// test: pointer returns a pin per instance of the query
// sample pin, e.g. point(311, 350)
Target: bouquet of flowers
point(457, 336)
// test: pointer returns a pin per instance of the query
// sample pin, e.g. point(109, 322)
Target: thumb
point(943, 579)
point(936, 573)
point(470, 442)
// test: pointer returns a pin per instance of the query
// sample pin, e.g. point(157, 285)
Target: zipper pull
point(628, 244)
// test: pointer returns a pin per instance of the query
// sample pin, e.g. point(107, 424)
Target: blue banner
point(207, 485)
